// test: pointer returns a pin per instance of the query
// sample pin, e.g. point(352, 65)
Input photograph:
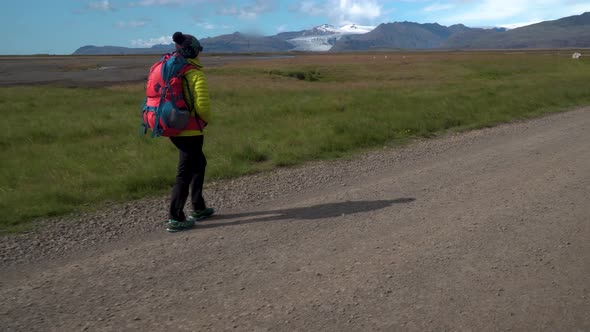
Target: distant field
point(65, 149)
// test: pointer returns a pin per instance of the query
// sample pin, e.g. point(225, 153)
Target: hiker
point(192, 113)
point(192, 161)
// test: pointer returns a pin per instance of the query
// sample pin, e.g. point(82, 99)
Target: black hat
point(186, 45)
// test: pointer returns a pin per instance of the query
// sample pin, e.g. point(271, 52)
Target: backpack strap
point(144, 125)
point(190, 99)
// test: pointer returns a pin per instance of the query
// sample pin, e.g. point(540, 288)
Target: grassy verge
point(65, 150)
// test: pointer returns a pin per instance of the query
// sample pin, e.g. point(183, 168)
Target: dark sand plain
point(88, 71)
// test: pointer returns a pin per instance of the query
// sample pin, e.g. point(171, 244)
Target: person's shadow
point(320, 211)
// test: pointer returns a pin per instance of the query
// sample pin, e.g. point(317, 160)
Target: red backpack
point(165, 110)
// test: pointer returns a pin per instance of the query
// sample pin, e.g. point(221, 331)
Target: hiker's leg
point(184, 178)
point(200, 163)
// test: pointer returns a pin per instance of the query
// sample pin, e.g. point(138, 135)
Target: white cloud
point(281, 28)
point(497, 9)
point(145, 3)
point(152, 41)
point(229, 11)
point(148, 3)
point(104, 5)
point(132, 24)
point(439, 7)
point(207, 25)
point(513, 13)
point(343, 11)
point(310, 8)
point(579, 8)
point(250, 11)
point(364, 9)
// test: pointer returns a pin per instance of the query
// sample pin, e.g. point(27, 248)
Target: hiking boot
point(202, 214)
point(177, 226)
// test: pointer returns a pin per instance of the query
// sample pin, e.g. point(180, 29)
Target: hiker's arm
point(198, 83)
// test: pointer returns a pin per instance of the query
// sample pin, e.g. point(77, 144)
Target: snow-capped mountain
point(345, 29)
point(323, 37)
point(356, 29)
point(567, 32)
point(325, 28)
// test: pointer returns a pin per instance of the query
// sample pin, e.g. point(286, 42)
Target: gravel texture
point(482, 231)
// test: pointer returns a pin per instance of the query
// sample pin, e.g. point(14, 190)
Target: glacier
point(323, 37)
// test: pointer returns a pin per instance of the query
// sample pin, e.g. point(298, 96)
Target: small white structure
point(576, 55)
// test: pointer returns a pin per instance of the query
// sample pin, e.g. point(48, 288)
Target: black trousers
point(191, 174)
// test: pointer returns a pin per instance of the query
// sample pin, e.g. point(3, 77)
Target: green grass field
point(69, 149)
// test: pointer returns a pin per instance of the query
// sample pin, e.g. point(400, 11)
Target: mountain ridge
point(567, 32)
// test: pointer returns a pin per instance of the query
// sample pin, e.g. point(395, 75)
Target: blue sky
point(61, 26)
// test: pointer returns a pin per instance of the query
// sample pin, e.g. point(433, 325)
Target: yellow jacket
point(199, 90)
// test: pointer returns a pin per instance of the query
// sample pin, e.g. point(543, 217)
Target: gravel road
point(482, 231)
